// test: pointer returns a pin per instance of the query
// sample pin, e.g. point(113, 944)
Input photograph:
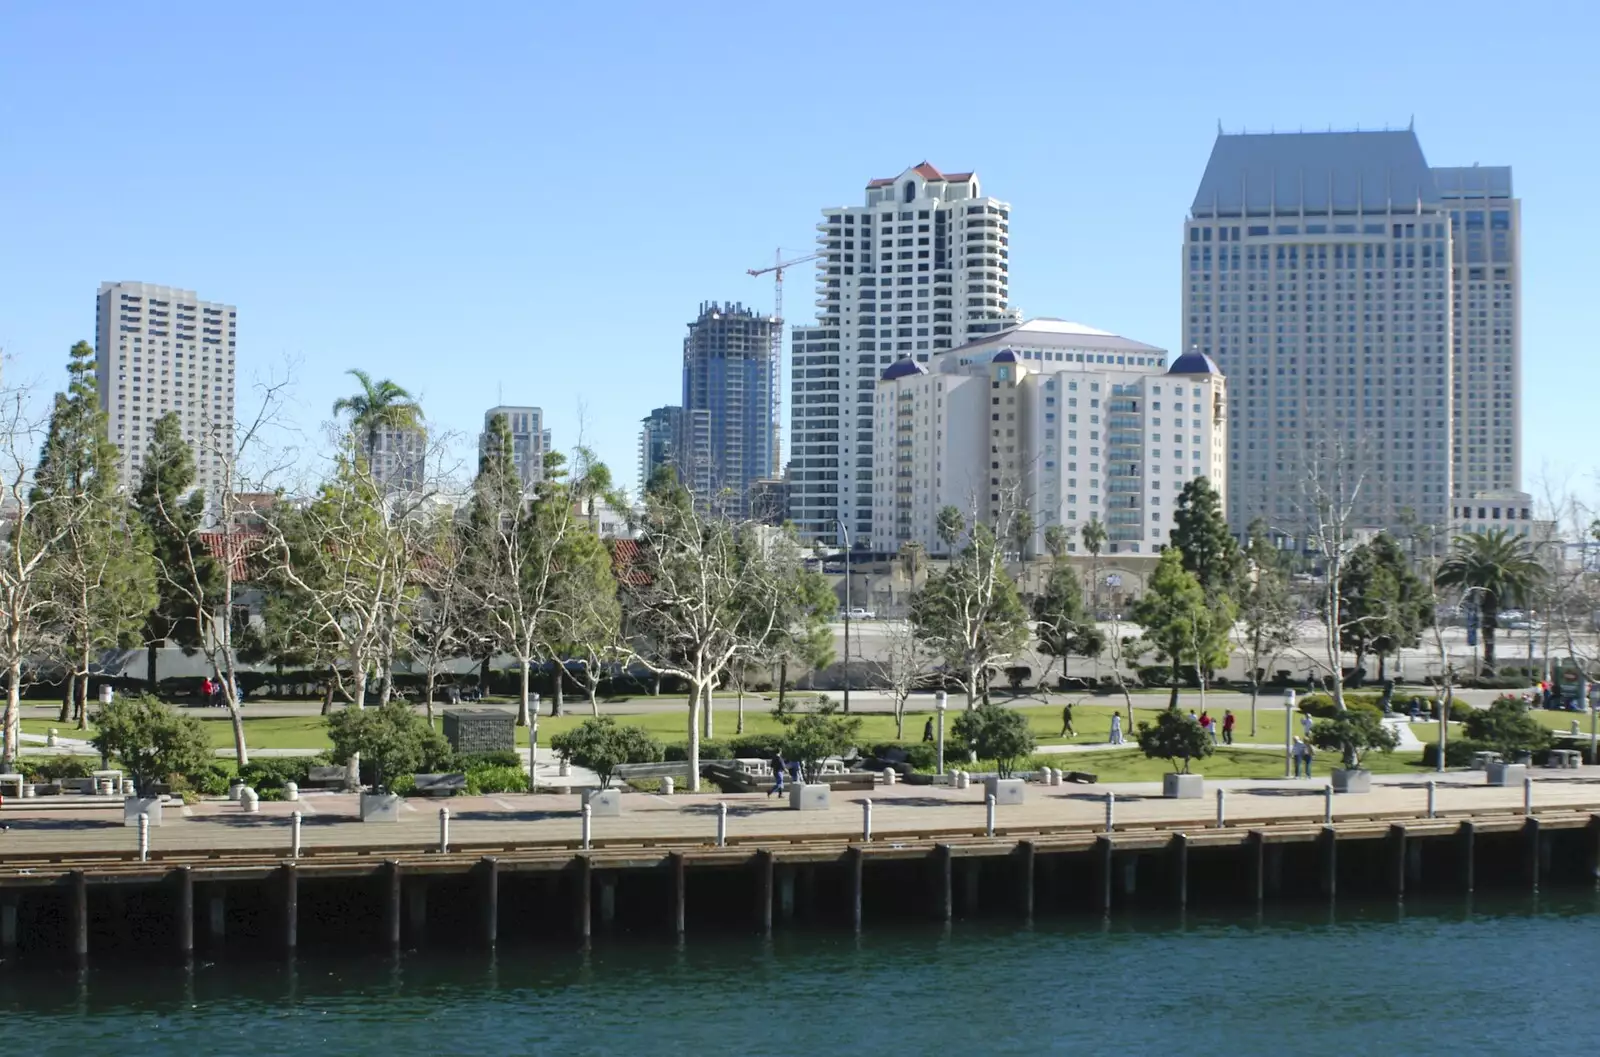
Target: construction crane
point(776, 352)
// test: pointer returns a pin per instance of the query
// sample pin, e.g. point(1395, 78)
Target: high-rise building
point(658, 442)
point(921, 267)
point(399, 458)
point(730, 406)
point(1366, 308)
point(161, 350)
point(1069, 423)
point(530, 440)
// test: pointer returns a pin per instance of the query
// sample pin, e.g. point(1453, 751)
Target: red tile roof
point(626, 563)
point(236, 548)
point(927, 172)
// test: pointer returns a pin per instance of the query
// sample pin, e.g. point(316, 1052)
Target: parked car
point(858, 613)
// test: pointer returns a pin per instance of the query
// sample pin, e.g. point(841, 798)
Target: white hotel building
point(1072, 423)
point(921, 267)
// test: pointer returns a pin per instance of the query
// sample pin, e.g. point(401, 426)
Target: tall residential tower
point(1365, 308)
point(923, 266)
point(158, 350)
point(730, 399)
point(529, 440)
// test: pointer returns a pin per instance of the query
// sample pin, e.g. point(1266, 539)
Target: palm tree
point(1055, 541)
point(1094, 540)
point(913, 559)
point(379, 406)
point(1499, 568)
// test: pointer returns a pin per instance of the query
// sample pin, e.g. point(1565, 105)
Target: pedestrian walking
point(927, 730)
point(778, 772)
point(1227, 727)
point(1194, 718)
point(1305, 724)
point(205, 691)
point(1066, 722)
point(1116, 728)
point(1298, 755)
point(1209, 726)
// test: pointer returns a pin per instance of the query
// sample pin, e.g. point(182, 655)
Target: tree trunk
point(1255, 692)
point(82, 699)
point(1488, 645)
point(236, 717)
point(13, 722)
point(522, 699)
point(1177, 680)
point(67, 687)
point(656, 690)
point(694, 735)
point(740, 728)
point(711, 721)
point(151, 652)
point(899, 717)
point(484, 671)
point(783, 681)
point(972, 687)
point(558, 701)
point(327, 697)
point(427, 692)
point(592, 688)
point(1383, 666)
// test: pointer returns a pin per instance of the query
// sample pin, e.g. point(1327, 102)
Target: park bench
point(753, 766)
point(1558, 758)
point(440, 784)
point(1481, 760)
point(326, 778)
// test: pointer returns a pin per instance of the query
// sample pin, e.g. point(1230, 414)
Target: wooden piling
point(185, 911)
point(1594, 847)
point(675, 865)
point(1468, 836)
point(490, 867)
point(391, 903)
point(583, 893)
point(291, 907)
point(1256, 851)
point(855, 863)
point(766, 866)
point(1103, 861)
point(8, 925)
point(217, 915)
point(80, 913)
point(970, 887)
point(417, 910)
point(943, 897)
point(1397, 860)
point(1179, 850)
point(1531, 838)
point(1026, 853)
point(1329, 841)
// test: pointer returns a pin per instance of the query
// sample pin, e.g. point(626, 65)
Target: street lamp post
point(844, 540)
point(941, 702)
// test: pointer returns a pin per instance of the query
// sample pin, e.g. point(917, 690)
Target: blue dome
point(1004, 356)
point(902, 369)
point(1194, 363)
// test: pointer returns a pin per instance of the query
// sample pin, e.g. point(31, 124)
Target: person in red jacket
point(1227, 727)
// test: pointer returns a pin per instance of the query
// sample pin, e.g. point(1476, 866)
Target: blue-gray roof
point(1474, 181)
point(1194, 363)
point(1258, 173)
point(902, 369)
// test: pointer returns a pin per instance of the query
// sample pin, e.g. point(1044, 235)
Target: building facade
point(530, 440)
point(658, 442)
point(159, 350)
point(1069, 423)
point(398, 459)
point(922, 266)
point(729, 436)
point(1365, 307)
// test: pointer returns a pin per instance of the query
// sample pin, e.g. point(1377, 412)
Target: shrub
point(1457, 752)
point(210, 781)
point(1508, 728)
point(602, 745)
point(150, 739)
point(496, 780)
point(817, 735)
point(499, 758)
point(1173, 737)
point(55, 768)
point(392, 740)
point(751, 746)
point(1353, 733)
point(1155, 675)
point(709, 750)
point(274, 773)
point(1322, 706)
point(995, 733)
point(403, 785)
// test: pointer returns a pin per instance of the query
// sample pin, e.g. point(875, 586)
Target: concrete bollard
point(1575, 730)
point(988, 814)
point(144, 838)
point(1527, 796)
point(249, 801)
point(962, 781)
point(1433, 798)
point(866, 821)
point(291, 791)
point(565, 769)
point(666, 786)
point(1327, 805)
point(1057, 776)
point(588, 826)
point(444, 830)
point(50, 739)
point(1222, 808)
point(235, 787)
point(722, 824)
point(1111, 810)
point(294, 835)
point(890, 776)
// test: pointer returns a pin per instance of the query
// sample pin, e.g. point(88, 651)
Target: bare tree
point(902, 662)
point(436, 634)
point(1265, 629)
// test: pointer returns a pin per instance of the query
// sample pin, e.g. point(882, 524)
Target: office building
point(1069, 423)
point(160, 350)
point(530, 440)
point(1366, 307)
point(921, 267)
point(658, 442)
point(399, 459)
point(730, 406)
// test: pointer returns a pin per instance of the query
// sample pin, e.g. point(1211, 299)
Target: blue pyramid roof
point(1194, 363)
point(902, 369)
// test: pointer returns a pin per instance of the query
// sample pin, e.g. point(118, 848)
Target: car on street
point(858, 613)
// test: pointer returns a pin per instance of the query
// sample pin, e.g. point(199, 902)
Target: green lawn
point(1130, 765)
point(291, 732)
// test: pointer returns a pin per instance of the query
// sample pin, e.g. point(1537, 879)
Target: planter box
point(1183, 786)
point(1352, 781)
point(380, 807)
point(133, 807)
point(1004, 790)
point(1509, 774)
point(809, 797)
point(603, 803)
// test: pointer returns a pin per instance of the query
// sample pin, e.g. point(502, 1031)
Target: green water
point(1447, 978)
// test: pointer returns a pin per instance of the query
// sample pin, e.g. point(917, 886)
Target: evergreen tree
point(1178, 621)
point(1201, 533)
point(171, 519)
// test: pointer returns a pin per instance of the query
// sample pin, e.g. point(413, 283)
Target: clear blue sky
point(531, 199)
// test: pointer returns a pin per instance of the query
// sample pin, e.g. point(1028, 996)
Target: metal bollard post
point(722, 825)
point(988, 813)
point(1433, 798)
point(1111, 809)
point(1327, 805)
point(866, 821)
point(294, 835)
point(588, 824)
point(444, 830)
point(144, 837)
point(1527, 796)
point(1222, 810)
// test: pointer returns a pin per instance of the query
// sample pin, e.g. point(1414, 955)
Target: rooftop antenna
point(1219, 126)
point(1411, 125)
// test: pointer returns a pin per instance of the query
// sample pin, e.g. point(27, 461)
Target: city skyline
point(310, 254)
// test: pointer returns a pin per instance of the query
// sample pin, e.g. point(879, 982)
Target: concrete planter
point(1183, 786)
point(133, 807)
point(1507, 774)
point(1004, 790)
point(380, 807)
point(1352, 781)
point(809, 797)
point(603, 803)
